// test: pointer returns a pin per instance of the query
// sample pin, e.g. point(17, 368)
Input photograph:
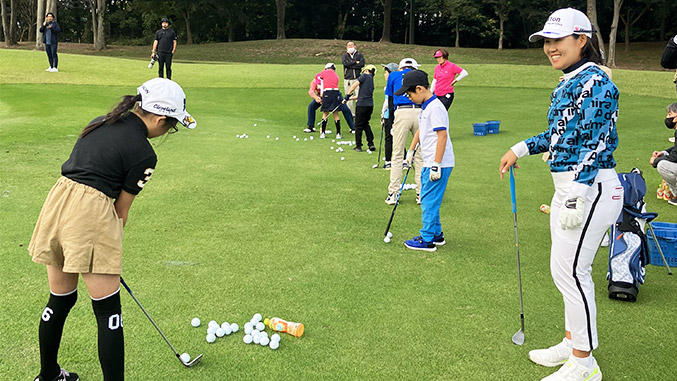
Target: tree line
point(460, 23)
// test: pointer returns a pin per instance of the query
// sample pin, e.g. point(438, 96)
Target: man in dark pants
point(353, 62)
point(364, 107)
point(50, 37)
point(165, 46)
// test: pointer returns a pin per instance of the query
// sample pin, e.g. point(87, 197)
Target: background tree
point(634, 10)
point(387, 10)
point(281, 6)
point(612, 34)
point(502, 8)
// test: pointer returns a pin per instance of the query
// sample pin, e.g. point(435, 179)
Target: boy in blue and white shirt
point(438, 158)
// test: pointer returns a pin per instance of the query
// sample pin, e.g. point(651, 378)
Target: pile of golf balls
point(215, 330)
point(409, 186)
point(243, 136)
point(387, 238)
point(346, 142)
point(255, 333)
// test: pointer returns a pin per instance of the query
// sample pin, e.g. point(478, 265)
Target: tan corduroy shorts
point(78, 230)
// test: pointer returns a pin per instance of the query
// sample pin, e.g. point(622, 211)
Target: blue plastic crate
point(492, 126)
point(666, 233)
point(479, 129)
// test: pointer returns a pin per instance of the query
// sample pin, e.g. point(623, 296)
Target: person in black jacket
point(353, 62)
point(50, 30)
point(164, 46)
point(669, 57)
point(666, 161)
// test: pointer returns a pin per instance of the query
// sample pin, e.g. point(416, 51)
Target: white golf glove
point(409, 158)
point(571, 213)
point(435, 172)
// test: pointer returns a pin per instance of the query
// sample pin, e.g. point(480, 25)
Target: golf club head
point(192, 362)
point(375, 166)
point(518, 338)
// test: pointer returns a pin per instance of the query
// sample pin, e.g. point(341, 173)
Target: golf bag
point(628, 251)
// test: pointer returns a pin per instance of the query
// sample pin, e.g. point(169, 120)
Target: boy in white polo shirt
point(438, 158)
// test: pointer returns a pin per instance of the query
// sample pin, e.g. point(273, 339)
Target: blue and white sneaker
point(417, 243)
point(439, 240)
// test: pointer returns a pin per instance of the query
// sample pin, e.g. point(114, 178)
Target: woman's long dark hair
point(591, 50)
point(123, 108)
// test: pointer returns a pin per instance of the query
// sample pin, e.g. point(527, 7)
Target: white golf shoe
point(553, 356)
point(573, 371)
point(54, 70)
point(49, 69)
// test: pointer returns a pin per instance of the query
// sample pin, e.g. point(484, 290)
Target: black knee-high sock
point(111, 343)
point(338, 126)
point(324, 125)
point(51, 328)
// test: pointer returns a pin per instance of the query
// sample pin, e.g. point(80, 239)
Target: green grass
point(229, 227)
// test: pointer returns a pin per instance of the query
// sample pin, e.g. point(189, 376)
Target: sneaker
point(63, 376)
point(352, 132)
point(672, 201)
point(391, 199)
point(338, 136)
point(419, 244)
point(49, 69)
point(573, 371)
point(309, 129)
point(372, 148)
point(54, 70)
point(439, 240)
point(386, 165)
point(322, 136)
point(357, 149)
point(553, 356)
point(418, 199)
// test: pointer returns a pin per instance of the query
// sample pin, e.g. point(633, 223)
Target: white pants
point(573, 252)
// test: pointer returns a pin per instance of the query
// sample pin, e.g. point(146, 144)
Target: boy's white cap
point(162, 96)
point(330, 65)
point(408, 62)
point(562, 23)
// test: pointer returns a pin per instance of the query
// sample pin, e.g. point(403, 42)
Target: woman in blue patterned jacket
point(580, 138)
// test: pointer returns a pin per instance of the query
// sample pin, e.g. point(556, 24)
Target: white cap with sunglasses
point(162, 96)
point(562, 23)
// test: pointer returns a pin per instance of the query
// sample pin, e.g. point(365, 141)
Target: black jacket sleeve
point(55, 27)
point(669, 57)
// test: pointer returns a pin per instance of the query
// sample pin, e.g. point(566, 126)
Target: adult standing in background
point(447, 74)
point(386, 120)
point(50, 30)
point(164, 46)
point(669, 57)
point(353, 62)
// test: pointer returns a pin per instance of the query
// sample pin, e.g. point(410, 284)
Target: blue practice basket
point(492, 126)
point(479, 129)
point(666, 233)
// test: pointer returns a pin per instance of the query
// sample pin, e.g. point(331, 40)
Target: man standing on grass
point(353, 62)
point(50, 37)
point(164, 47)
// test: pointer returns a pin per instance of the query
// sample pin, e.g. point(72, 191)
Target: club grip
point(512, 191)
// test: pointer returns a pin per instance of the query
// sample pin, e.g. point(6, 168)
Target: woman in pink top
point(446, 75)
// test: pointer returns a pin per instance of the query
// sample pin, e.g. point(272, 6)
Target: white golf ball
point(390, 234)
point(333, 140)
point(264, 341)
point(258, 316)
point(311, 138)
point(225, 324)
point(248, 328)
point(227, 330)
point(386, 239)
point(275, 337)
point(257, 339)
point(260, 326)
point(297, 139)
point(212, 330)
point(274, 344)
point(246, 136)
point(338, 150)
point(195, 322)
point(247, 339)
point(220, 332)
point(237, 136)
point(213, 323)
point(255, 332)
point(279, 139)
point(254, 124)
point(293, 137)
point(185, 357)
point(369, 152)
point(332, 147)
point(234, 327)
point(263, 334)
point(305, 139)
point(343, 158)
point(211, 338)
point(267, 136)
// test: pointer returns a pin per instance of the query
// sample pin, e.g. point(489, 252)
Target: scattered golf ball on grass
point(195, 322)
point(185, 357)
point(390, 234)
point(274, 344)
point(234, 327)
point(220, 332)
point(212, 330)
point(264, 341)
point(386, 239)
point(254, 124)
point(211, 338)
point(343, 158)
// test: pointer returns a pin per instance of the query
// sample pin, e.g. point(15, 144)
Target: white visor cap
point(562, 23)
point(162, 96)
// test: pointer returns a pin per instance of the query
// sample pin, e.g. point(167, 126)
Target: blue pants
point(432, 193)
point(51, 54)
point(347, 115)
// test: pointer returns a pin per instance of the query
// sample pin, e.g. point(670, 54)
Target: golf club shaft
point(397, 201)
point(517, 247)
point(655, 239)
point(324, 119)
point(148, 316)
point(380, 144)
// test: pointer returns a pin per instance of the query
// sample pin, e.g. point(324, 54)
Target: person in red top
point(316, 102)
point(446, 75)
point(331, 98)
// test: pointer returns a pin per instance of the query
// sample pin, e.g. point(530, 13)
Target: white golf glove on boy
point(409, 158)
point(435, 172)
point(571, 213)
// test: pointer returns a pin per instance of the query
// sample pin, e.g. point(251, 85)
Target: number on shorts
point(148, 172)
point(114, 322)
point(47, 314)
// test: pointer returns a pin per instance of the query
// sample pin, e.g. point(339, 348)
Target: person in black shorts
point(164, 47)
point(364, 107)
point(79, 230)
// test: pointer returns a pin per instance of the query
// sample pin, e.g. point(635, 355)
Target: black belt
point(408, 106)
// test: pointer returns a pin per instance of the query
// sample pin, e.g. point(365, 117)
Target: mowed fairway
point(229, 227)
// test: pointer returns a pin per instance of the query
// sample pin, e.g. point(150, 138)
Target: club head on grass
point(518, 338)
point(375, 166)
point(191, 362)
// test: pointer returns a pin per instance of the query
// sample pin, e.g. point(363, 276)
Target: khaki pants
point(406, 121)
point(668, 171)
point(346, 85)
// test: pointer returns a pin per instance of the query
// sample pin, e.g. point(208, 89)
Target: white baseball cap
point(162, 96)
point(330, 65)
point(564, 22)
point(408, 62)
